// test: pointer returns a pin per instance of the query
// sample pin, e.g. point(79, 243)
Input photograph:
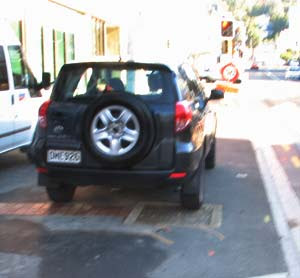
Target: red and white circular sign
point(230, 72)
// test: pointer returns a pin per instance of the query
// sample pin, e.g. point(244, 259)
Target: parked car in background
point(126, 124)
point(293, 73)
point(20, 96)
point(254, 66)
point(293, 63)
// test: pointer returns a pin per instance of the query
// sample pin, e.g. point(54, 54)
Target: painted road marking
point(277, 275)
point(286, 148)
point(295, 161)
point(284, 205)
point(283, 201)
point(273, 76)
point(165, 214)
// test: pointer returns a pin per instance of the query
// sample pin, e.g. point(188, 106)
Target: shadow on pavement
point(77, 254)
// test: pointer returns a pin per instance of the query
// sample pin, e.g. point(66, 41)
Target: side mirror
point(216, 94)
point(46, 79)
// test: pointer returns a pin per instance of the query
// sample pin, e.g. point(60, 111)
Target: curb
point(282, 207)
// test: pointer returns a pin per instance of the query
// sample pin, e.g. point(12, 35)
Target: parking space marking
point(276, 275)
point(273, 76)
point(286, 148)
point(163, 214)
point(295, 161)
point(161, 238)
point(284, 205)
point(131, 218)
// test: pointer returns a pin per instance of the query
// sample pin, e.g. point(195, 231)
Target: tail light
point(183, 115)
point(43, 113)
point(177, 175)
point(42, 170)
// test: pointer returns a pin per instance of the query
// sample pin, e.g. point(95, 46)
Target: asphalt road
point(233, 236)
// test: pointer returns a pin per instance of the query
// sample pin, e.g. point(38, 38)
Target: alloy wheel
point(115, 130)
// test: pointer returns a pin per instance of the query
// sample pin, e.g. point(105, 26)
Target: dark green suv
point(123, 124)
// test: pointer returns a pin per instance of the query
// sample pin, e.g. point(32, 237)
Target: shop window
point(59, 50)
point(98, 31)
point(17, 26)
point(34, 50)
point(70, 47)
point(47, 52)
point(113, 40)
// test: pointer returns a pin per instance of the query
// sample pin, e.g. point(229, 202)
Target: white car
point(20, 96)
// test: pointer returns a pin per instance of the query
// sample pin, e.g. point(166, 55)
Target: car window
point(83, 81)
point(22, 76)
point(189, 85)
point(88, 81)
point(185, 91)
point(3, 71)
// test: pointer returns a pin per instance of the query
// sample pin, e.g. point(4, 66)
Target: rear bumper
point(83, 177)
point(186, 161)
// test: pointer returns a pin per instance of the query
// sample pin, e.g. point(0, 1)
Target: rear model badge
point(58, 129)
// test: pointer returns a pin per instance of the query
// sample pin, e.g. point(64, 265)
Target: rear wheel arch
point(192, 193)
point(210, 159)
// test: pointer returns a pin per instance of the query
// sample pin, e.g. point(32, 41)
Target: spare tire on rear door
point(120, 129)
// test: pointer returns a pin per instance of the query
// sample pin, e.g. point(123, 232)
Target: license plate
point(64, 156)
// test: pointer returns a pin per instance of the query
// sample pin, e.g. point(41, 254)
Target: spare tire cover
point(119, 129)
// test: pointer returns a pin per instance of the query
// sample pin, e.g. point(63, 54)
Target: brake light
point(183, 115)
point(43, 113)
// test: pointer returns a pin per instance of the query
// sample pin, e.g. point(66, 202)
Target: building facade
point(55, 32)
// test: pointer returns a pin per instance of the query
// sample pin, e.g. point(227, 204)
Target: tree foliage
point(288, 55)
point(275, 10)
point(253, 35)
point(258, 10)
point(278, 23)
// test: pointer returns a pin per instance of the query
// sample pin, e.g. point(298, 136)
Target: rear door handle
point(12, 99)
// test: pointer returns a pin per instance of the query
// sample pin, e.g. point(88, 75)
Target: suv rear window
point(88, 80)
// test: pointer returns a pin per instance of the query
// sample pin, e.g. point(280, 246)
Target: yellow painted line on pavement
point(161, 238)
point(295, 161)
point(286, 147)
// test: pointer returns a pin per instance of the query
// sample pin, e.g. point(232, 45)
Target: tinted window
point(186, 93)
point(189, 84)
point(87, 81)
point(3, 71)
